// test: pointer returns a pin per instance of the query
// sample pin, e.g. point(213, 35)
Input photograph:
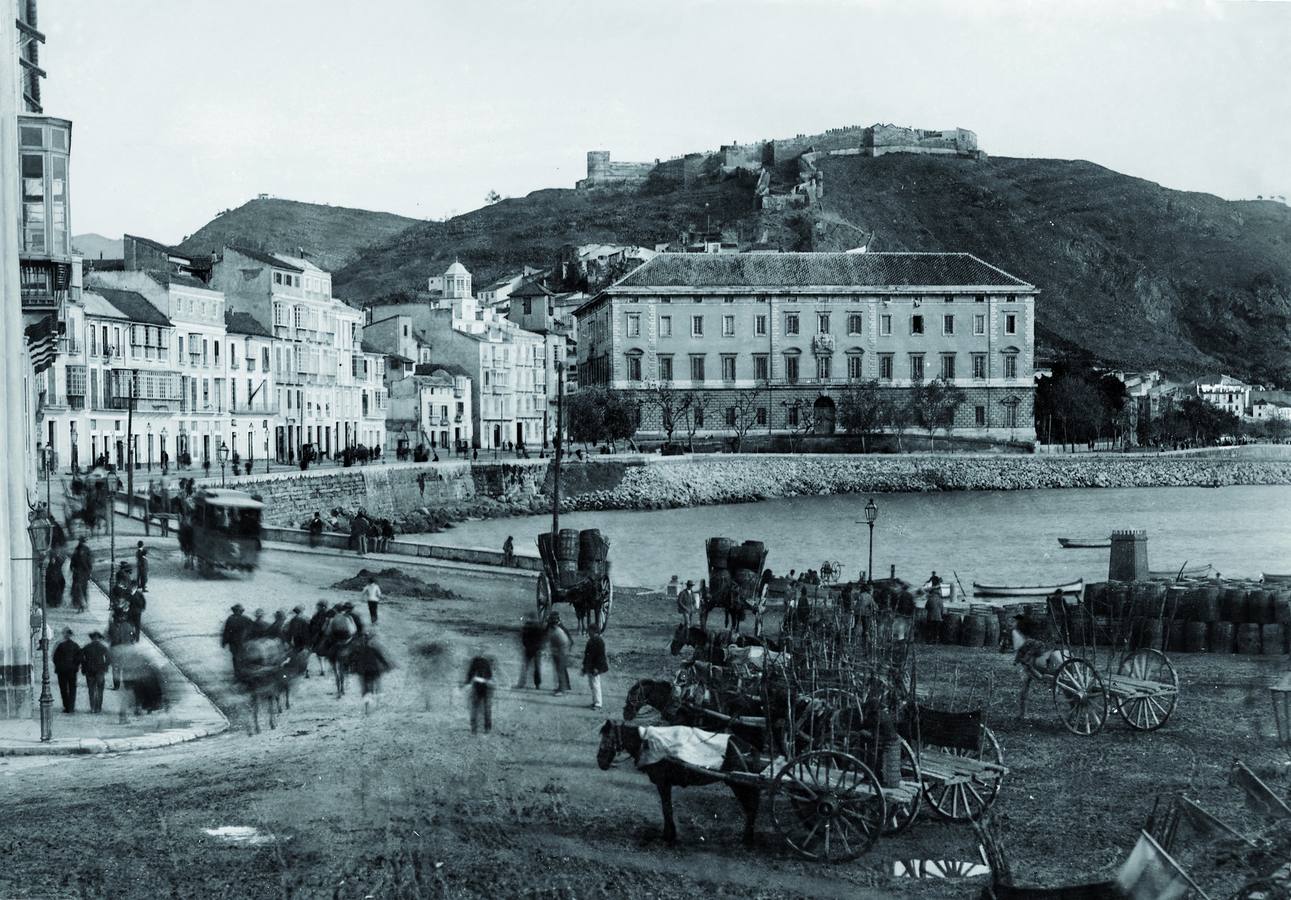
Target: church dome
point(456, 269)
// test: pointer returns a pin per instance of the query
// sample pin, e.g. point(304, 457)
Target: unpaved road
point(407, 803)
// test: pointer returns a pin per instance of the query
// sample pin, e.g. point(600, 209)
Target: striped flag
point(42, 343)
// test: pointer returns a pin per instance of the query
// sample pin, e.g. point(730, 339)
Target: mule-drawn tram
point(576, 570)
point(1136, 680)
point(225, 529)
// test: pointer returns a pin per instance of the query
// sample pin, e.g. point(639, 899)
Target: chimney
point(1129, 556)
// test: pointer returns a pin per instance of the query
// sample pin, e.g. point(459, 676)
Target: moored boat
point(1276, 579)
point(1032, 590)
point(1185, 572)
point(1085, 543)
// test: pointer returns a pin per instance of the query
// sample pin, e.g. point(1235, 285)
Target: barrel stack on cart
point(576, 570)
point(734, 573)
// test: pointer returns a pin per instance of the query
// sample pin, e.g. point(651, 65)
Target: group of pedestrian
point(92, 660)
point(366, 533)
point(535, 634)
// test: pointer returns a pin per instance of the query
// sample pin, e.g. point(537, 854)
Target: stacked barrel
point(977, 626)
point(580, 554)
point(1204, 616)
point(733, 566)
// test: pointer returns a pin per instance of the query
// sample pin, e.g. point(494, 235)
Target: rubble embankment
point(736, 479)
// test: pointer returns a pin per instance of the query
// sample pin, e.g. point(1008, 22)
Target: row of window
point(793, 416)
point(824, 367)
point(793, 324)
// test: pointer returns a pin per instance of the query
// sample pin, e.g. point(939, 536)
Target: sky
point(184, 108)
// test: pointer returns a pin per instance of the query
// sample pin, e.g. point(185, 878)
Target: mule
point(618, 738)
point(266, 671)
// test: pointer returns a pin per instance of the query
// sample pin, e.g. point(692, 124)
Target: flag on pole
point(42, 343)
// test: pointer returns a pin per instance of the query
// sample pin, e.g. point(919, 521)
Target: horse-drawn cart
point(576, 570)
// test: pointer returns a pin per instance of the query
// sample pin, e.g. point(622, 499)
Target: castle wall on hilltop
point(604, 172)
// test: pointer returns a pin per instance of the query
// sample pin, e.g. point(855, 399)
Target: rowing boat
point(1032, 590)
point(1085, 543)
point(1185, 572)
point(1276, 579)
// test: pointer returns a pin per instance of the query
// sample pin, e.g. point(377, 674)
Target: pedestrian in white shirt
point(372, 594)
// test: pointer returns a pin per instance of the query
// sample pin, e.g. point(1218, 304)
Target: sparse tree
point(696, 404)
point(745, 405)
point(492, 197)
point(897, 413)
point(801, 418)
point(671, 403)
point(860, 409)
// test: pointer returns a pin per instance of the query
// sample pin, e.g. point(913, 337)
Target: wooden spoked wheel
point(1080, 698)
point(901, 815)
point(544, 594)
point(1147, 706)
point(828, 806)
point(602, 616)
point(966, 800)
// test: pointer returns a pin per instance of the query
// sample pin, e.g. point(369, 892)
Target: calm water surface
point(1005, 537)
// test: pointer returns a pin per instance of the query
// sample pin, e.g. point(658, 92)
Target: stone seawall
point(427, 496)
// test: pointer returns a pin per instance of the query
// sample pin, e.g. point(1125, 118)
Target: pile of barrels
point(978, 626)
point(733, 566)
point(1202, 617)
point(581, 555)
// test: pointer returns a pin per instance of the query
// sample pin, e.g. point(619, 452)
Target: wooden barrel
point(567, 545)
point(1194, 637)
point(1117, 594)
point(747, 579)
point(1178, 603)
point(973, 631)
point(1232, 605)
point(952, 623)
point(1156, 599)
point(747, 556)
point(1174, 637)
point(1271, 639)
point(991, 637)
point(1221, 637)
point(1281, 607)
point(1208, 604)
point(567, 571)
point(596, 567)
point(1248, 638)
point(1096, 594)
point(592, 547)
point(1150, 634)
point(1265, 606)
point(719, 552)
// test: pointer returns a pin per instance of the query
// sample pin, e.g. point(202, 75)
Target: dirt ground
point(407, 803)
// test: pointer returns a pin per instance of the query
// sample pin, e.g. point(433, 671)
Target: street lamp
point(165, 468)
point(41, 530)
point(47, 457)
point(223, 455)
point(871, 514)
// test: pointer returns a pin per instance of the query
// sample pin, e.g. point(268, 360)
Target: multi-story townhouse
point(431, 410)
point(533, 308)
point(316, 340)
point(506, 364)
point(370, 383)
point(253, 395)
point(796, 328)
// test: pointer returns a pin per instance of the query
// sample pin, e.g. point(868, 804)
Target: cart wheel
point(967, 801)
point(901, 816)
point(828, 806)
point(603, 614)
point(544, 594)
point(1150, 710)
point(1080, 698)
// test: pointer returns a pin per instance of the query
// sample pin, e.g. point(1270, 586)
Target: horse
point(335, 644)
point(266, 671)
point(710, 646)
point(617, 738)
point(728, 601)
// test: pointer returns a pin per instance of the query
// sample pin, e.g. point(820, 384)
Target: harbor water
point(995, 537)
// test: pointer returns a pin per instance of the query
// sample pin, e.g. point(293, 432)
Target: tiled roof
point(450, 368)
point(244, 323)
point(266, 258)
point(97, 305)
point(165, 279)
point(133, 306)
point(531, 289)
point(810, 270)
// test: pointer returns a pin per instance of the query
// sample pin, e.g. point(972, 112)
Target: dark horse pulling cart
point(576, 570)
point(734, 579)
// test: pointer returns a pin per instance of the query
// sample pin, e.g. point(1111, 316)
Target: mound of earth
point(397, 583)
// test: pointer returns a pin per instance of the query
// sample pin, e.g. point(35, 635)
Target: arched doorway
point(823, 415)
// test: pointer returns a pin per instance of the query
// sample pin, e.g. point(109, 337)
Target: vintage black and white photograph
point(584, 450)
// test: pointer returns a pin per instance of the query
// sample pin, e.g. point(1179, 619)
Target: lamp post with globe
point(40, 530)
point(223, 455)
point(871, 515)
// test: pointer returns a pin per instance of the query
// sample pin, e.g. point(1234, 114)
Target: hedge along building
point(777, 337)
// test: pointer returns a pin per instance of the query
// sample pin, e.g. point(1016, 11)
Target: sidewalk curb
point(216, 724)
point(398, 559)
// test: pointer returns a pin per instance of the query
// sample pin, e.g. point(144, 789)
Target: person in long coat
point(82, 569)
point(595, 664)
point(532, 637)
point(120, 633)
point(237, 629)
point(134, 613)
point(95, 662)
point(559, 643)
point(55, 583)
point(141, 566)
point(67, 662)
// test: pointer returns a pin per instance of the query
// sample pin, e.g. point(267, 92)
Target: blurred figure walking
point(479, 680)
point(120, 636)
point(82, 569)
point(95, 662)
point(372, 594)
point(237, 629)
point(141, 566)
point(67, 662)
point(370, 661)
point(532, 637)
point(559, 643)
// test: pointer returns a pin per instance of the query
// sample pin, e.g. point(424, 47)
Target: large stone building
point(785, 333)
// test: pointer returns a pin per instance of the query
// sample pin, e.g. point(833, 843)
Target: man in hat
point(315, 529)
point(531, 640)
point(296, 633)
point(259, 626)
point(595, 664)
point(82, 569)
point(372, 594)
point(686, 603)
point(237, 630)
point(141, 566)
point(134, 611)
point(95, 662)
point(67, 662)
point(559, 643)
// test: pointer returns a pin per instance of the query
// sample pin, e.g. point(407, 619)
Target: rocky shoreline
point(739, 479)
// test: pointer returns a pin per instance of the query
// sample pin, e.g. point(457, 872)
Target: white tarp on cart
point(683, 743)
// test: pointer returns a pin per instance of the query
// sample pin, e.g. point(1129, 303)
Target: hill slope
point(96, 246)
point(1137, 274)
point(331, 235)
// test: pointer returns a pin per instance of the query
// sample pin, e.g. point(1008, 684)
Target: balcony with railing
point(255, 408)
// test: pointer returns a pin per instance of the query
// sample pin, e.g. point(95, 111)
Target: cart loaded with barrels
point(576, 570)
point(734, 578)
point(1109, 661)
